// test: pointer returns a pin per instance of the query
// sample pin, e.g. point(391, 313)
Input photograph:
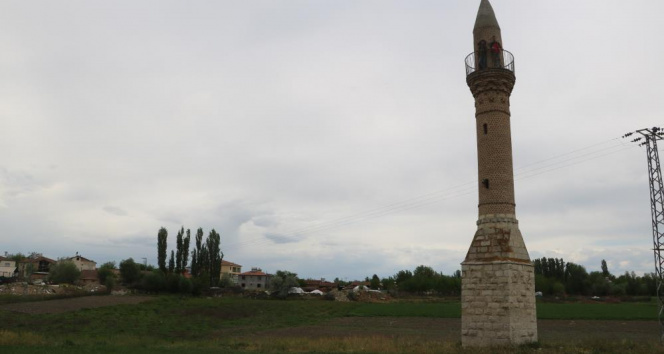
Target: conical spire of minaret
point(485, 16)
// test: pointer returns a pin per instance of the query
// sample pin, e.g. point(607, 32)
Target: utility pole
point(649, 138)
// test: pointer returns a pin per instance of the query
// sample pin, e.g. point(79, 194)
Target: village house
point(8, 267)
point(233, 270)
point(322, 285)
point(83, 263)
point(255, 279)
point(34, 267)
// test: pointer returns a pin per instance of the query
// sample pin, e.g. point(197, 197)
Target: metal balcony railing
point(504, 61)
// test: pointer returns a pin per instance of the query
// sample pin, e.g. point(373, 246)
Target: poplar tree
point(178, 254)
point(185, 250)
point(197, 259)
point(215, 255)
point(605, 269)
point(194, 264)
point(171, 262)
point(162, 235)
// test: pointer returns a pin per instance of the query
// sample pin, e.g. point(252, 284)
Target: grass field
point(172, 324)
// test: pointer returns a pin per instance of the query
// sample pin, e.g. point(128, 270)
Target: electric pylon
point(649, 138)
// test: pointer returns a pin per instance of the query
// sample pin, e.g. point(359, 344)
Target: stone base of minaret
point(498, 286)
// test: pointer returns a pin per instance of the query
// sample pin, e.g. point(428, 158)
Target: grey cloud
point(114, 210)
point(276, 238)
point(264, 221)
point(16, 183)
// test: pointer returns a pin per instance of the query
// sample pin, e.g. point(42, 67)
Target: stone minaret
point(498, 283)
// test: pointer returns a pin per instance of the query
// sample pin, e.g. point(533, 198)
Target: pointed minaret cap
point(485, 16)
point(486, 26)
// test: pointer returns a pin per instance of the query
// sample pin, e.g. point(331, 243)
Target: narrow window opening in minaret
point(485, 182)
point(486, 129)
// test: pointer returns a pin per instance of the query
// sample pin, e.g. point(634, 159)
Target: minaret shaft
point(494, 143)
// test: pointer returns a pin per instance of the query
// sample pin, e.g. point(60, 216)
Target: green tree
point(197, 256)
point(215, 255)
point(178, 254)
point(64, 271)
point(402, 276)
point(374, 283)
point(105, 271)
point(204, 263)
point(558, 288)
point(575, 279)
point(225, 281)
point(598, 285)
point(29, 270)
point(17, 257)
point(171, 263)
point(194, 264)
point(154, 282)
point(184, 285)
point(185, 250)
point(388, 283)
point(424, 272)
point(129, 271)
point(162, 236)
point(424, 279)
point(282, 281)
point(605, 269)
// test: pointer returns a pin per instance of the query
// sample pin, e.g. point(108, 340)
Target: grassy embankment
point(170, 324)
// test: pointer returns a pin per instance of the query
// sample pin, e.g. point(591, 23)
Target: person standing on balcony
point(495, 48)
point(481, 55)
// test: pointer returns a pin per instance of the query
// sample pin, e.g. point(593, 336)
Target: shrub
point(129, 271)
point(105, 271)
point(185, 286)
point(64, 272)
point(200, 285)
point(225, 281)
point(154, 282)
point(282, 282)
point(109, 283)
point(172, 283)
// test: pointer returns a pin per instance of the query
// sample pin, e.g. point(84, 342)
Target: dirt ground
point(73, 304)
point(450, 329)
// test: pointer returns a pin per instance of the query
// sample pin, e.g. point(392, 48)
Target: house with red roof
point(255, 279)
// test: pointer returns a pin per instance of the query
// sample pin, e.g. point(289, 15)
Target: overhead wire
point(547, 165)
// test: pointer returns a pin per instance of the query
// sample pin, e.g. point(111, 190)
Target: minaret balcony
point(477, 61)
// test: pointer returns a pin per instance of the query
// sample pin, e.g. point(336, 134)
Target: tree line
point(554, 276)
point(422, 280)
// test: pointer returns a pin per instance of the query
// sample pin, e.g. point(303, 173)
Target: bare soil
point(73, 304)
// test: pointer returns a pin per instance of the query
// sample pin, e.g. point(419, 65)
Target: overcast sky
point(328, 138)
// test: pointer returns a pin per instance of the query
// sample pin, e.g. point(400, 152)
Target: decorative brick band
point(491, 80)
point(497, 218)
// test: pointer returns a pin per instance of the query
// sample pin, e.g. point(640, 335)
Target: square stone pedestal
point(497, 303)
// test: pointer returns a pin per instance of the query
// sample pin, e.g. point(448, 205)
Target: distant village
point(35, 269)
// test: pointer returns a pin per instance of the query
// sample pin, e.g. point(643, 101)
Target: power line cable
point(460, 190)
